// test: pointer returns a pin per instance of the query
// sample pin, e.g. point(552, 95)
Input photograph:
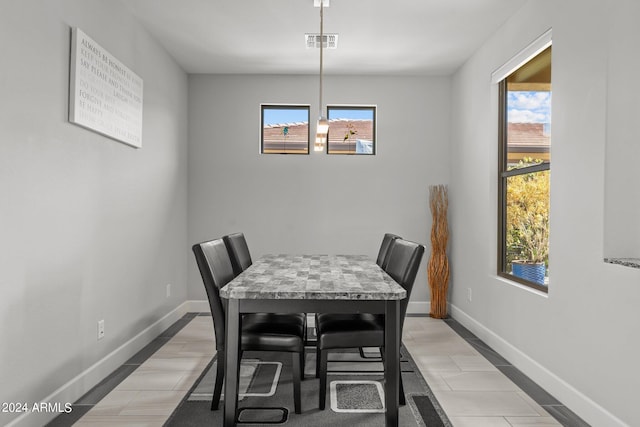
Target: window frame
point(374, 110)
point(265, 106)
point(504, 173)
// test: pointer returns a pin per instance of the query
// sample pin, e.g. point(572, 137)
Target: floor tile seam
point(200, 363)
point(94, 418)
point(516, 392)
point(483, 345)
point(174, 373)
point(160, 361)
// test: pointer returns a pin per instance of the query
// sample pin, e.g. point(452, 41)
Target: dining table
point(288, 283)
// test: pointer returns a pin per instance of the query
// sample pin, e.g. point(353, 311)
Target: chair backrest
point(238, 252)
point(216, 271)
point(383, 253)
point(402, 265)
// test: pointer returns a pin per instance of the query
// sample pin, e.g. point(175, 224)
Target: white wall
point(90, 228)
point(315, 203)
point(580, 341)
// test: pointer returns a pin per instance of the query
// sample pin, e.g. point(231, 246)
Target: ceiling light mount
point(323, 3)
point(312, 40)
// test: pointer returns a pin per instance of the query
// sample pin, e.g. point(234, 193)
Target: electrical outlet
point(168, 290)
point(100, 329)
point(469, 294)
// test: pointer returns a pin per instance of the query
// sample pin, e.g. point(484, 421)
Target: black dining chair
point(259, 331)
point(241, 257)
point(238, 252)
point(340, 331)
point(383, 253)
point(381, 260)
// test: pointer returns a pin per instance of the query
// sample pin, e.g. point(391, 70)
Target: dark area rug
point(355, 394)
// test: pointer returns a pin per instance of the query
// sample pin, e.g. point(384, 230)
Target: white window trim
point(522, 57)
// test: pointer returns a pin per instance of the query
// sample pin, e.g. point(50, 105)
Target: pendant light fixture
point(322, 127)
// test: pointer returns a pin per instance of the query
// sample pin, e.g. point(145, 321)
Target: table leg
point(232, 362)
point(392, 361)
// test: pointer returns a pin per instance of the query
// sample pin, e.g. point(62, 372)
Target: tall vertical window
point(524, 176)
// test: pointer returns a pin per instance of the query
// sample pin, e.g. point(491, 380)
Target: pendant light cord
point(321, 45)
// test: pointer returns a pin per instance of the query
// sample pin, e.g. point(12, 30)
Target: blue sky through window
point(358, 113)
point(274, 116)
point(529, 107)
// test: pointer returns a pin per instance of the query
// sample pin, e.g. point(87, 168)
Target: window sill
point(627, 262)
point(519, 285)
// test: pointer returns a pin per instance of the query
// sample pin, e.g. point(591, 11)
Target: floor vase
point(438, 266)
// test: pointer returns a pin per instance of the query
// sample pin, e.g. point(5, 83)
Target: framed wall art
point(105, 96)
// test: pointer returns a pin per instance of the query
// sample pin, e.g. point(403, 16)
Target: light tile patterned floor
point(149, 395)
point(471, 390)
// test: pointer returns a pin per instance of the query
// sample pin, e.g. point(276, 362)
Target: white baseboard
point(85, 381)
point(572, 398)
point(419, 307)
point(199, 306)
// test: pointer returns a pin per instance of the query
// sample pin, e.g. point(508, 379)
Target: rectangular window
point(285, 129)
point(524, 175)
point(352, 130)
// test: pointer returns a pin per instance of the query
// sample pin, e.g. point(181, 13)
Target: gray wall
point(315, 203)
point(90, 228)
point(580, 341)
point(622, 151)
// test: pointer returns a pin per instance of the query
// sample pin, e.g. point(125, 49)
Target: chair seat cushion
point(273, 332)
point(349, 330)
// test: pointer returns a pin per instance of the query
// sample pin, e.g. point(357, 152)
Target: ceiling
point(393, 37)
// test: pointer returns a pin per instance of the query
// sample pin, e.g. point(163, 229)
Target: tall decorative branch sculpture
point(438, 267)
